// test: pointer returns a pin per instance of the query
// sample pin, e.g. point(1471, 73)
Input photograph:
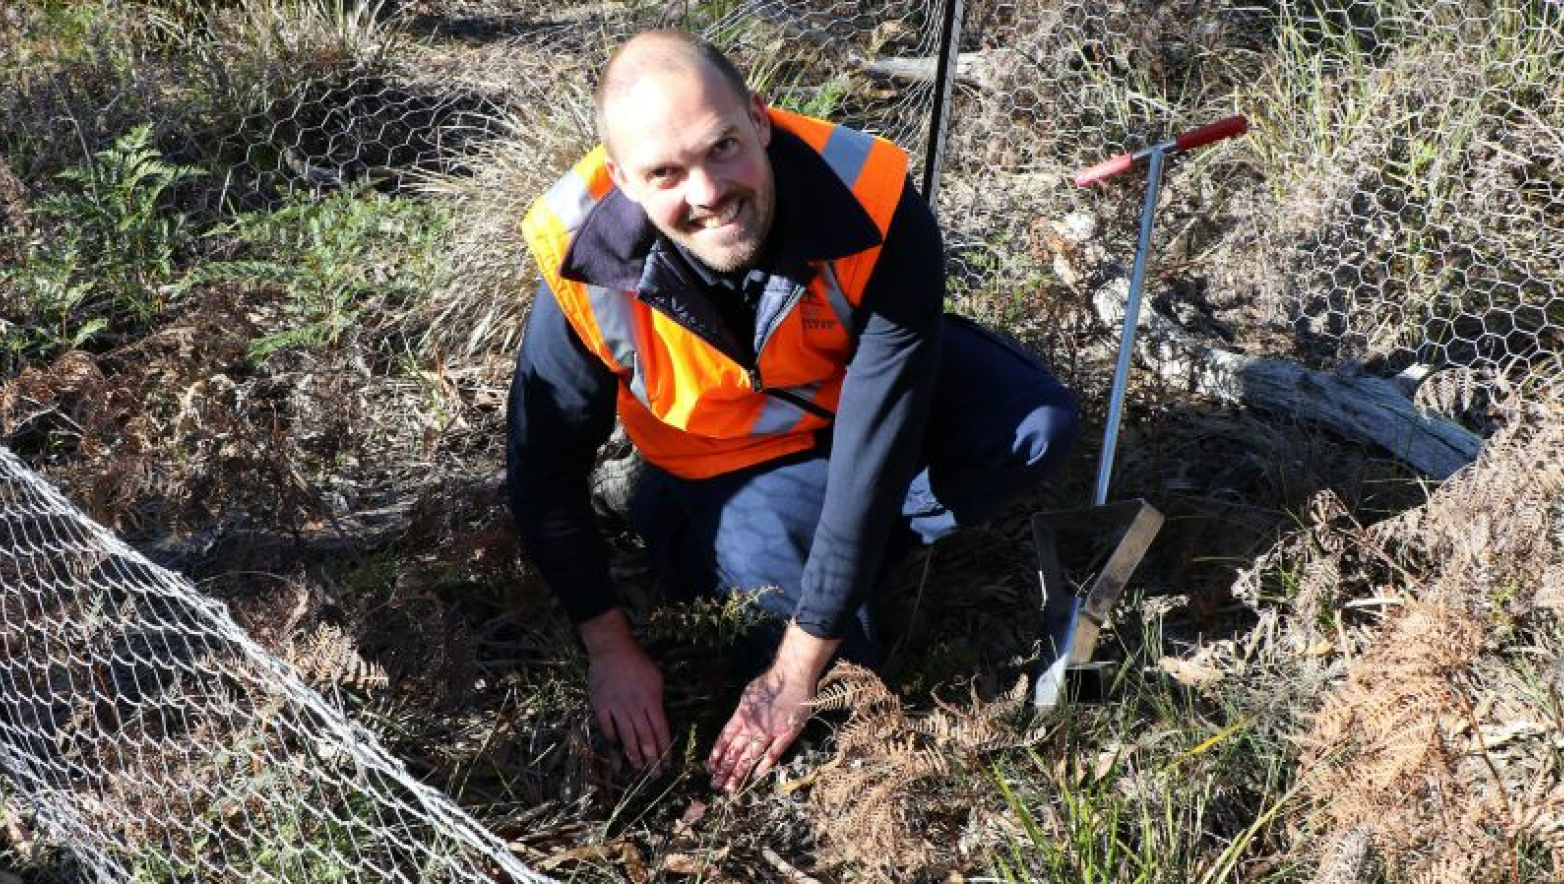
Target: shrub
point(107, 255)
point(336, 258)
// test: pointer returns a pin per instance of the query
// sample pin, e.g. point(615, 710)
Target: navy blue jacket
point(562, 398)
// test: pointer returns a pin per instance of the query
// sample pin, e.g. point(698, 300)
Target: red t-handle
point(1105, 169)
point(1217, 131)
point(1228, 128)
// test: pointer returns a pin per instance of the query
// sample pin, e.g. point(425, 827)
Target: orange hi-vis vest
point(691, 409)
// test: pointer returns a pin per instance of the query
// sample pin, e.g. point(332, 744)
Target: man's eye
point(725, 147)
point(661, 176)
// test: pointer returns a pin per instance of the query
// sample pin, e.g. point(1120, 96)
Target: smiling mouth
point(727, 216)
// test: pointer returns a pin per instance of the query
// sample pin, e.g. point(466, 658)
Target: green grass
point(58, 31)
point(1159, 783)
point(1314, 101)
point(113, 257)
point(336, 257)
point(1183, 809)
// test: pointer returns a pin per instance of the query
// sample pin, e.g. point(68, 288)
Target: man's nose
point(703, 188)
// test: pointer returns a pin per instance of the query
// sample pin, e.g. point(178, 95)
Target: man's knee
point(1000, 454)
point(1045, 433)
point(999, 411)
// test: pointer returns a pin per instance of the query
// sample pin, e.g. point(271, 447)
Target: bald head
point(687, 143)
point(660, 53)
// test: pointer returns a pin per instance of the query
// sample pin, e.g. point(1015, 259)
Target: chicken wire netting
point(1398, 204)
point(397, 109)
point(484, 104)
point(1397, 207)
point(160, 743)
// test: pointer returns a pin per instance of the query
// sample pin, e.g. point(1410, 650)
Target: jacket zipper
point(756, 382)
point(771, 328)
point(797, 401)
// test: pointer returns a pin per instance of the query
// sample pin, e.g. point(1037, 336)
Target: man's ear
point(622, 181)
point(761, 119)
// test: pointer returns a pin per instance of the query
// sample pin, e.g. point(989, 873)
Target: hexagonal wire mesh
point(1442, 243)
point(1398, 205)
point(159, 742)
point(486, 108)
point(1401, 201)
point(422, 111)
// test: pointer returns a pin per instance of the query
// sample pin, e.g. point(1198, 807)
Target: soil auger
point(1117, 535)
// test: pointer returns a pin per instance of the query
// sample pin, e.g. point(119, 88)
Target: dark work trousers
point(999, 424)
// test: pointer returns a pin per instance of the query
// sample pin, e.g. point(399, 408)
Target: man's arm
point(561, 410)
point(878, 435)
point(876, 441)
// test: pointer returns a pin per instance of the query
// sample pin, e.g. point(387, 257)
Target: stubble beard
point(742, 248)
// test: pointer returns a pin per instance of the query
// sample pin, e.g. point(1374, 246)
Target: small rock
point(1076, 227)
point(1190, 673)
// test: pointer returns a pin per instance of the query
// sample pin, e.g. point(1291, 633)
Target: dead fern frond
point(330, 656)
point(894, 768)
point(849, 686)
point(1446, 870)
point(1433, 743)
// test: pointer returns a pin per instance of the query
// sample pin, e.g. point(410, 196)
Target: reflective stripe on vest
point(779, 415)
point(616, 322)
point(845, 152)
point(688, 408)
point(838, 299)
point(569, 200)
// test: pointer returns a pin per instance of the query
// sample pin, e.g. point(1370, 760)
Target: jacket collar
point(818, 219)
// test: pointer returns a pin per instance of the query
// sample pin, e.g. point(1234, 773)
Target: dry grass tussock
point(482, 307)
point(1436, 748)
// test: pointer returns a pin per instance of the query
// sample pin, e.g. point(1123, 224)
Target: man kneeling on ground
point(758, 296)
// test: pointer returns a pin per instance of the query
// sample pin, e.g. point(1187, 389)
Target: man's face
point(693, 156)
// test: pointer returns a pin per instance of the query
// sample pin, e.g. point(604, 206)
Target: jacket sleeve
point(877, 436)
point(561, 410)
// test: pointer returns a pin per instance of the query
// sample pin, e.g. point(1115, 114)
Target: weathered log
point(971, 69)
point(353, 534)
point(1359, 407)
point(360, 533)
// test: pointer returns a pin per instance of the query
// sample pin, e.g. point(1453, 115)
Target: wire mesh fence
point(482, 108)
point(160, 743)
point(1399, 203)
point(1440, 241)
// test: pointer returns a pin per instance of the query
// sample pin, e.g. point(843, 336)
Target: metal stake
point(1121, 370)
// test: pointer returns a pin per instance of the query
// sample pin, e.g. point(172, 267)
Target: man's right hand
point(626, 689)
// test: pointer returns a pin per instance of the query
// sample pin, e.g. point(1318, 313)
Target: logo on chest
point(815, 313)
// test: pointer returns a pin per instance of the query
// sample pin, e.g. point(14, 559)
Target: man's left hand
point(771, 713)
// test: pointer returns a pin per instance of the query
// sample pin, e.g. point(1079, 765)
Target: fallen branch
point(350, 534)
point(971, 70)
point(1359, 407)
